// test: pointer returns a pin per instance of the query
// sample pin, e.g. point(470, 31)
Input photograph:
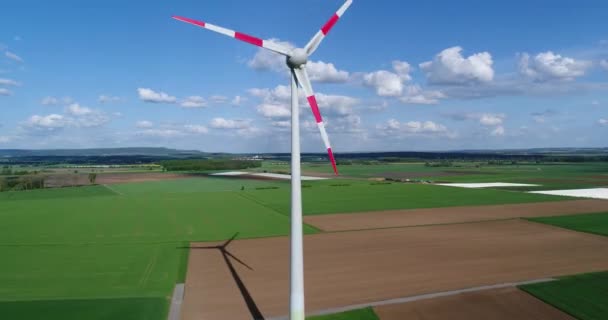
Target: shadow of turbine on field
point(253, 308)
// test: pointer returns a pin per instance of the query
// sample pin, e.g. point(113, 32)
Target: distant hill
point(100, 152)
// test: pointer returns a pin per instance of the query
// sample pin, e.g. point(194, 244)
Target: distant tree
point(92, 177)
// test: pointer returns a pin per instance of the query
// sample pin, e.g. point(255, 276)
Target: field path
point(350, 268)
point(417, 217)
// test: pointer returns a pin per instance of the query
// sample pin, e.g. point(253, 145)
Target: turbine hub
point(297, 58)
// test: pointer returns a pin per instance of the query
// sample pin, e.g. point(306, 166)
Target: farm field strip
point(448, 215)
point(351, 268)
point(487, 185)
point(596, 193)
point(498, 304)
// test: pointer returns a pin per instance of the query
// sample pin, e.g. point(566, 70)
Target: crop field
point(88, 246)
point(353, 196)
point(596, 223)
point(117, 250)
point(583, 296)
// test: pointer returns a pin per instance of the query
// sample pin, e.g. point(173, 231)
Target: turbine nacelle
point(297, 58)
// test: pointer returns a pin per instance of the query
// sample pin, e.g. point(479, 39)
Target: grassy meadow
point(98, 252)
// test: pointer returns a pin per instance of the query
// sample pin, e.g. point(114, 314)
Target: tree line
point(208, 165)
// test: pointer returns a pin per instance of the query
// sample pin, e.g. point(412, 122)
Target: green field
point(582, 296)
point(549, 176)
point(64, 249)
point(79, 253)
point(596, 223)
point(353, 196)
point(360, 314)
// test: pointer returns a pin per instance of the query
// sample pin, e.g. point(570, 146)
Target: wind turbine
point(296, 61)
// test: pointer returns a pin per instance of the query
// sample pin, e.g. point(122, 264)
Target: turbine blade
point(272, 46)
point(314, 43)
point(302, 77)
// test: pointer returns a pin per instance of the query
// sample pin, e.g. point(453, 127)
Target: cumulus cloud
point(149, 95)
point(414, 94)
point(196, 129)
point(498, 131)
point(49, 122)
point(428, 128)
point(489, 119)
point(49, 101)
point(386, 83)
point(603, 122)
point(222, 123)
point(269, 110)
point(13, 56)
point(108, 99)
point(267, 60)
point(550, 66)
point(78, 110)
point(237, 100)
point(320, 71)
point(451, 67)
point(144, 124)
point(8, 82)
point(604, 64)
point(218, 99)
point(194, 102)
point(5, 92)
point(403, 69)
point(5, 139)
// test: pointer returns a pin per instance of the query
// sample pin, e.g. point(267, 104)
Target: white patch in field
point(230, 173)
point(486, 185)
point(596, 193)
point(285, 176)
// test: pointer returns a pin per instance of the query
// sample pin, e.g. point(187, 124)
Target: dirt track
point(402, 218)
point(347, 268)
point(498, 304)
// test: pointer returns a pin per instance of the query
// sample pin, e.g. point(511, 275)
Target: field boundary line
point(176, 302)
point(112, 189)
point(420, 297)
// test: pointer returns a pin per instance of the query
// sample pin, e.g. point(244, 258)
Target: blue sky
point(391, 75)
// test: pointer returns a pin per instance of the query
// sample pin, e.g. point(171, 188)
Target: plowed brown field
point(403, 218)
point(358, 267)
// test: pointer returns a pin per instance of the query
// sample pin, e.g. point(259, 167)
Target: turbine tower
point(296, 61)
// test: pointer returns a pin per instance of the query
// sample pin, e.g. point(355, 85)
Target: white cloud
point(149, 95)
point(498, 131)
point(282, 124)
point(108, 99)
point(194, 102)
point(196, 129)
point(450, 67)
point(13, 56)
point(49, 101)
point(49, 122)
point(320, 71)
point(603, 122)
point(161, 133)
point(413, 127)
point(8, 82)
point(218, 99)
point(550, 66)
point(237, 100)
point(489, 119)
point(77, 110)
point(267, 60)
point(414, 94)
point(144, 124)
point(604, 64)
point(222, 123)
point(403, 69)
point(386, 83)
point(5, 139)
point(5, 92)
point(274, 110)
